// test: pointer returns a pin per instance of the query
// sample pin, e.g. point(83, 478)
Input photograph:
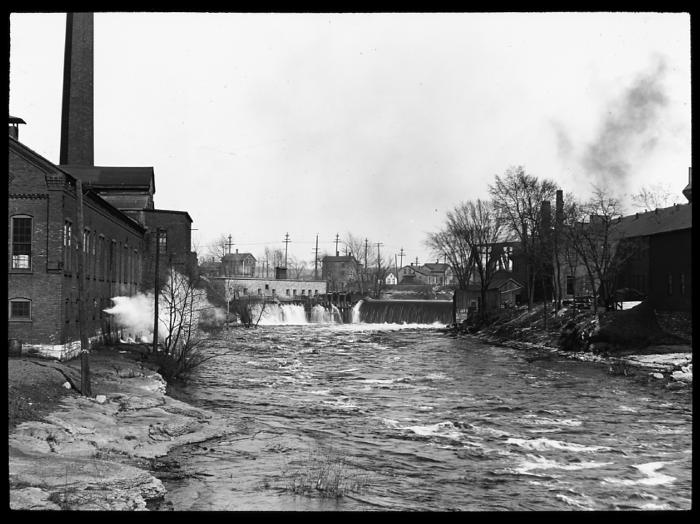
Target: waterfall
point(293, 314)
point(403, 311)
point(275, 314)
point(356, 312)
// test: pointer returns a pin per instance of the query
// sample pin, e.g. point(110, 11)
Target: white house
point(390, 279)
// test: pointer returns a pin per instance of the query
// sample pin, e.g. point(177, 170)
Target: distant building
point(340, 272)
point(281, 289)
point(439, 273)
point(391, 279)
point(238, 265)
point(502, 292)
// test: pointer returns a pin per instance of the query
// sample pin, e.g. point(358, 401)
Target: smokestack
point(559, 209)
point(14, 126)
point(77, 137)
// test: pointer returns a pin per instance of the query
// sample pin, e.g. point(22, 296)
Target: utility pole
point(396, 265)
point(316, 260)
point(286, 242)
point(379, 265)
point(156, 293)
point(229, 244)
point(85, 388)
point(379, 259)
point(337, 238)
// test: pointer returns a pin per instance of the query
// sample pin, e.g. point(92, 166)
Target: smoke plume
point(629, 130)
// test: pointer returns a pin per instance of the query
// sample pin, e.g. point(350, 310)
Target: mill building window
point(67, 240)
point(669, 287)
point(20, 309)
point(21, 242)
point(162, 241)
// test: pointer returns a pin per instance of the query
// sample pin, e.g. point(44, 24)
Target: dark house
point(340, 272)
point(238, 265)
point(662, 268)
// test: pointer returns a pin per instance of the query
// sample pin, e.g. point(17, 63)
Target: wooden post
point(156, 294)
point(85, 388)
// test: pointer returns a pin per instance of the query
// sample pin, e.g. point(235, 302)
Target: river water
point(412, 418)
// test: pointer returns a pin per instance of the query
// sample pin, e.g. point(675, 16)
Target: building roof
point(499, 281)
point(16, 120)
point(101, 177)
point(235, 257)
point(90, 194)
point(665, 220)
point(342, 258)
point(437, 267)
point(167, 211)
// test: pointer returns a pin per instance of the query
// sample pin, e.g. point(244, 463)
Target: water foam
point(650, 470)
point(542, 444)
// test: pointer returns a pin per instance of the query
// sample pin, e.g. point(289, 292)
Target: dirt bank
point(67, 451)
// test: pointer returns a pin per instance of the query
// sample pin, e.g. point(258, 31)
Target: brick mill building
point(42, 256)
point(121, 229)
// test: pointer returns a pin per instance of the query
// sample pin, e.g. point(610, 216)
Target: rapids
point(407, 417)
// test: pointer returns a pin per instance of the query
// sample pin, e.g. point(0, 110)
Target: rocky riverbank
point(641, 342)
point(100, 453)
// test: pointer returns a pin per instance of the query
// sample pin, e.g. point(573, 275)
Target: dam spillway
point(403, 311)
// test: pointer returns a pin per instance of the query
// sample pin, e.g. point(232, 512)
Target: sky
point(373, 124)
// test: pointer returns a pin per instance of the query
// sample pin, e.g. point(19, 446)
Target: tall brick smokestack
point(559, 209)
point(77, 128)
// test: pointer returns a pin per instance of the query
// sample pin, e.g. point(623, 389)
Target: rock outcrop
point(95, 454)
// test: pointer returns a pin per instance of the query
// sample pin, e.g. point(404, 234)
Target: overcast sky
point(374, 124)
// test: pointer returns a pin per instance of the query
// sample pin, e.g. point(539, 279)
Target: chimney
point(559, 209)
point(236, 250)
point(14, 126)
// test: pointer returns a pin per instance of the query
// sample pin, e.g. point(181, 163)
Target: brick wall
point(39, 190)
point(178, 248)
point(277, 288)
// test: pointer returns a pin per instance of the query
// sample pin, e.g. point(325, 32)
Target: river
point(412, 418)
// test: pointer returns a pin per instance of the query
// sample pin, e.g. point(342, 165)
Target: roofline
point(86, 190)
point(153, 175)
point(162, 211)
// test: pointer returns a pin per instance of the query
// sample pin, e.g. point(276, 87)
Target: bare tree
point(518, 198)
point(485, 228)
point(182, 307)
point(469, 241)
point(297, 266)
point(454, 247)
point(218, 248)
point(651, 197)
point(599, 245)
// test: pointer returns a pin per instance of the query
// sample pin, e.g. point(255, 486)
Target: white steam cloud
point(135, 314)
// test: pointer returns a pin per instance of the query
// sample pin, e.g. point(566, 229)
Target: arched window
point(21, 242)
point(20, 309)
